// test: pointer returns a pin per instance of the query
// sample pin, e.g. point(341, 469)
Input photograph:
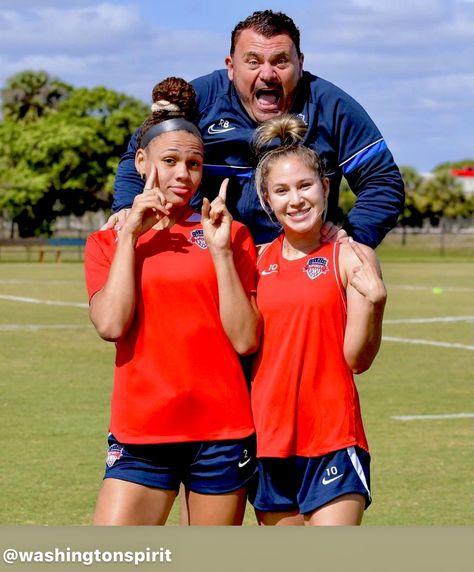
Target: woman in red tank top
point(322, 307)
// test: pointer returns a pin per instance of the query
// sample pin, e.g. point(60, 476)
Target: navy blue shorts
point(306, 484)
point(206, 467)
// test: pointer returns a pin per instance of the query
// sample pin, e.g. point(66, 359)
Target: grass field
point(57, 374)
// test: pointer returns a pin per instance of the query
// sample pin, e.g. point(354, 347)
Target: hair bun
point(175, 95)
point(282, 131)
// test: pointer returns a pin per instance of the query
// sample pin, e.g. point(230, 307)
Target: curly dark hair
point(180, 96)
point(268, 24)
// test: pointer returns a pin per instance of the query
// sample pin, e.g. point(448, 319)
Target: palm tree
point(410, 216)
point(30, 94)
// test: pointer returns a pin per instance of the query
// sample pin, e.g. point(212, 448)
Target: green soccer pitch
point(417, 399)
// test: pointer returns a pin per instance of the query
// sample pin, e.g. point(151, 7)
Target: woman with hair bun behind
point(322, 307)
point(175, 292)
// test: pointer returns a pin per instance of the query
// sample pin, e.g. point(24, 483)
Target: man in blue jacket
point(264, 78)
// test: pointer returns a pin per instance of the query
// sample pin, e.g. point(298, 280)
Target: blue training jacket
point(339, 129)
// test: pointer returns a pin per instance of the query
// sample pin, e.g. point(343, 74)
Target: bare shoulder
point(354, 253)
point(352, 246)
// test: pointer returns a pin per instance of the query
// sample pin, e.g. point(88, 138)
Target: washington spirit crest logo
point(197, 237)
point(113, 454)
point(316, 266)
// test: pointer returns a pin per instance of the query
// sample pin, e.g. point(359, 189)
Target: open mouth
point(268, 98)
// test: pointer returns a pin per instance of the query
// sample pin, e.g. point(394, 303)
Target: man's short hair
point(268, 24)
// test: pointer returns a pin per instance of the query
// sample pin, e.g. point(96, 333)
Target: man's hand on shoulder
point(116, 220)
point(330, 232)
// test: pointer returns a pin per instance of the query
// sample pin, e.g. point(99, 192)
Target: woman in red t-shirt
point(175, 292)
point(322, 307)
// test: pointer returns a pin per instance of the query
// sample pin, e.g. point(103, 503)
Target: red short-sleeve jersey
point(177, 376)
point(304, 398)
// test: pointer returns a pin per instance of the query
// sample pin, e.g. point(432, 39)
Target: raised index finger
point(150, 180)
point(223, 189)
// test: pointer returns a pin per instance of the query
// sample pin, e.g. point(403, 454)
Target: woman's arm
point(239, 314)
point(111, 309)
point(366, 297)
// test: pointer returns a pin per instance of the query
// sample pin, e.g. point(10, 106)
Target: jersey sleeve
point(380, 196)
point(98, 255)
point(369, 168)
point(245, 257)
point(128, 182)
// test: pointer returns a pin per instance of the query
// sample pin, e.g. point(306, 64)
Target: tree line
point(437, 200)
point(60, 147)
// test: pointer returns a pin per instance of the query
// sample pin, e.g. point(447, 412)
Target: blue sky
point(410, 64)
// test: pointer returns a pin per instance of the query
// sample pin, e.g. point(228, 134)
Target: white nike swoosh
point(243, 463)
point(212, 130)
point(327, 481)
point(267, 272)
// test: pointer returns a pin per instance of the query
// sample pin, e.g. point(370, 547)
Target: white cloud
point(51, 28)
point(394, 9)
point(409, 64)
point(103, 44)
point(61, 66)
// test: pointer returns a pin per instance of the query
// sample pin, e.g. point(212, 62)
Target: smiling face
point(265, 73)
point(296, 194)
point(178, 158)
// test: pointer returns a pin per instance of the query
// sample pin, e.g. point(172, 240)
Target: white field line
point(430, 320)
point(428, 417)
point(430, 288)
point(427, 343)
point(47, 302)
point(38, 327)
point(385, 338)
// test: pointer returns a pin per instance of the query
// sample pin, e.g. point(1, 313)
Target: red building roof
point(463, 172)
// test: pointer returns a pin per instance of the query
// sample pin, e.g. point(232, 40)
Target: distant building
point(465, 176)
